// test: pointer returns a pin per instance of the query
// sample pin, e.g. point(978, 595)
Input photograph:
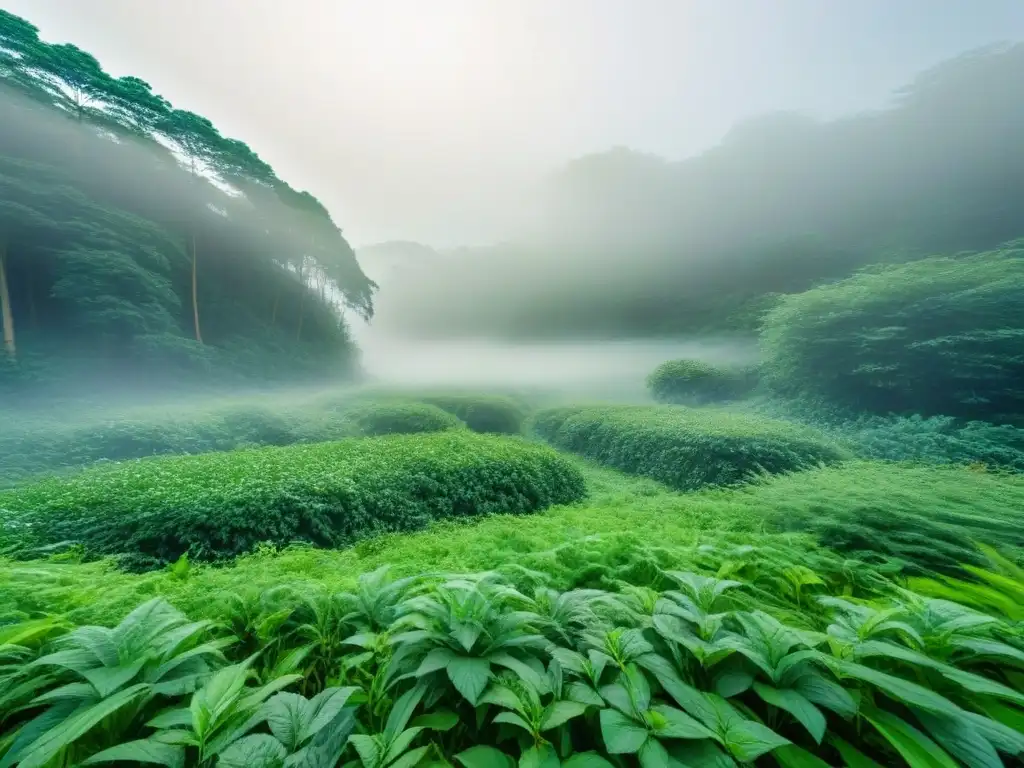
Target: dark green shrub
point(684, 448)
point(494, 414)
point(694, 382)
point(398, 418)
point(219, 505)
point(936, 336)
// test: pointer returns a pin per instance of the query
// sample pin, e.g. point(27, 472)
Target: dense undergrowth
point(685, 448)
point(218, 505)
point(743, 657)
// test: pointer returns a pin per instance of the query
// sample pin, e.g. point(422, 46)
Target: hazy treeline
point(135, 237)
point(630, 244)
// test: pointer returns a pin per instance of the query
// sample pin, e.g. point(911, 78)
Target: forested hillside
point(632, 245)
point(136, 239)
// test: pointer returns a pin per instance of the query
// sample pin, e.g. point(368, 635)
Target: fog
point(437, 122)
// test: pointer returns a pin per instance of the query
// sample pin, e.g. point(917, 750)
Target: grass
point(620, 514)
point(685, 448)
point(218, 505)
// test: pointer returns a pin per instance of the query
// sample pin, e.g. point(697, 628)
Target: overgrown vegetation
point(936, 336)
point(494, 414)
point(695, 382)
point(218, 505)
point(399, 418)
point(475, 670)
point(685, 448)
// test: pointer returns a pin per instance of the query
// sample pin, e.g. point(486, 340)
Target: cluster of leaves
point(684, 448)
point(489, 414)
point(936, 336)
point(478, 672)
point(193, 258)
point(695, 382)
point(218, 505)
point(927, 518)
point(400, 418)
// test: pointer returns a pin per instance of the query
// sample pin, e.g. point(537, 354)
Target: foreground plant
point(470, 671)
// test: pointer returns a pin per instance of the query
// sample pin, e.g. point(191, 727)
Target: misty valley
point(717, 461)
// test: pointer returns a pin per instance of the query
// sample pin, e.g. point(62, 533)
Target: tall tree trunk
point(6, 314)
point(195, 293)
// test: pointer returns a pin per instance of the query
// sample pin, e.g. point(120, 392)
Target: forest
point(137, 241)
point(812, 556)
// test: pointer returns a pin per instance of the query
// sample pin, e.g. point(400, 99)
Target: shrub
point(397, 418)
point(218, 505)
point(694, 382)
point(492, 414)
point(684, 448)
point(935, 336)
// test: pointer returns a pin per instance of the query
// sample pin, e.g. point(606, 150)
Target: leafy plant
point(695, 382)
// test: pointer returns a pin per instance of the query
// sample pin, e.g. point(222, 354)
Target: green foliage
point(925, 517)
point(478, 670)
point(399, 418)
point(492, 414)
point(694, 382)
point(684, 448)
point(218, 505)
point(935, 336)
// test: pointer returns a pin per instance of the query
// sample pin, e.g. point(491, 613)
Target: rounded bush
point(693, 382)
point(940, 336)
point(218, 505)
point(492, 414)
point(375, 419)
point(685, 448)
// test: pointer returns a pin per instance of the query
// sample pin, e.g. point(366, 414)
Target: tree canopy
point(133, 233)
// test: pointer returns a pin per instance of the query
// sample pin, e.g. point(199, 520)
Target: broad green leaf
point(401, 711)
point(916, 748)
point(539, 756)
point(622, 736)
point(142, 751)
point(288, 714)
point(799, 707)
point(400, 743)
point(502, 696)
point(469, 676)
point(962, 740)
point(978, 684)
point(326, 747)
point(792, 756)
point(411, 758)
point(699, 754)
point(747, 740)
point(586, 760)
point(439, 658)
point(12, 749)
point(732, 681)
point(584, 694)
point(901, 690)
point(367, 749)
point(439, 720)
point(325, 707)
point(618, 696)
point(180, 717)
point(253, 699)
point(484, 757)
point(511, 718)
point(106, 680)
point(77, 691)
point(819, 690)
point(220, 693)
point(653, 754)
point(989, 648)
point(679, 725)
point(40, 752)
point(853, 757)
point(525, 672)
point(466, 634)
point(560, 712)
point(1004, 726)
point(259, 750)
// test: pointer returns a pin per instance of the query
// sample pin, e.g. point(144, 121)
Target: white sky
point(428, 119)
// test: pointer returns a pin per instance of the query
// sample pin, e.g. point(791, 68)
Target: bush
point(684, 448)
point(493, 414)
point(937, 336)
point(385, 418)
point(218, 505)
point(694, 382)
